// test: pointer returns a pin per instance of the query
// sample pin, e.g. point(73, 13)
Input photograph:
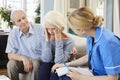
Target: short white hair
point(56, 18)
point(14, 12)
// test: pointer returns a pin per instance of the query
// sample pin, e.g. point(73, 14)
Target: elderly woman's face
point(50, 28)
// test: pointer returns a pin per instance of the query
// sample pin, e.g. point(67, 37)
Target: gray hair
point(56, 18)
point(13, 13)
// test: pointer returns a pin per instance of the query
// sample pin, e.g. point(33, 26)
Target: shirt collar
point(98, 34)
point(31, 31)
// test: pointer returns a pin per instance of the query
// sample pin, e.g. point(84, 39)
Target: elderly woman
point(58, 46)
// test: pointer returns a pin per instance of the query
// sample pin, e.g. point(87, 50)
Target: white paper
point(63, 71)
point(3, 77)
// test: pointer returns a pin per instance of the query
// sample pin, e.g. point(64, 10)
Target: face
point(50, 28)
point(81, 32)
point(20, 20)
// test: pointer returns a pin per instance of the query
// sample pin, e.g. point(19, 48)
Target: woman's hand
point(58, 35)
point(74, 75)
point(74, 53)
point(56, 66)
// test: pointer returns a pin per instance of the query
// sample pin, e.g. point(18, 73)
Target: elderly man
point(24, 47)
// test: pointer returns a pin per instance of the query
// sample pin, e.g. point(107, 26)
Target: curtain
point(112, 16)
point(116, 17)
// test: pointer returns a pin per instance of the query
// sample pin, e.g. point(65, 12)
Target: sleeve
point(11, 43)
point(111, 56)
point(46, 55)
point(63, 50)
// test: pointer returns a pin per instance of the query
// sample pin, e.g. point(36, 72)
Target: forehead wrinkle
point(18, 15)
point(49, 25)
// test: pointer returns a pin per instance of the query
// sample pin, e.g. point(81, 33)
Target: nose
point(22, 21)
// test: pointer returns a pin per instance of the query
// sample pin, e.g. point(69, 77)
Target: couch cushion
point(80, 44)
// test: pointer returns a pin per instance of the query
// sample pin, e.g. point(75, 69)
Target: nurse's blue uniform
point(104, 52)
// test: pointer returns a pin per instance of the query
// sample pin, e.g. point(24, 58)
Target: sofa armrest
point(80, 44)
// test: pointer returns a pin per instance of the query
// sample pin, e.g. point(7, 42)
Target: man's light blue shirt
point(27, 45)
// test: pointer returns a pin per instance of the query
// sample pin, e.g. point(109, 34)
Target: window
point(1, 3)
point(14, 4)
point(72, 5)
point(28, 5)
point(30, 9)
point(100, 8)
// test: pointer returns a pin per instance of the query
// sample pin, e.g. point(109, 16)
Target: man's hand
point(27, 63)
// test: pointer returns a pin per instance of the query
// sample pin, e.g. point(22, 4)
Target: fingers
point(27, 64)
point(28, 67)
point(53, 69)
point(69, 74)
point(74, 51)
point(57, 31)
point(56, 66)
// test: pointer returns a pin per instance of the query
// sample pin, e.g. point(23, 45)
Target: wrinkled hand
point(58, 35)
point(56, 66)
point(27, 64)
point(74, 53)
point(57, 31)
point(74, 75)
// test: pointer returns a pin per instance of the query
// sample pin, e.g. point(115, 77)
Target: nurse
point(103, 47)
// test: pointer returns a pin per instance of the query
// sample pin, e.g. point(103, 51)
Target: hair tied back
point(97, 21)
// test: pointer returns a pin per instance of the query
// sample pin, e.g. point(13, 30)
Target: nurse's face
point(81, 32)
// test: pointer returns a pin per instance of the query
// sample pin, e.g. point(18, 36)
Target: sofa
point(80, 45)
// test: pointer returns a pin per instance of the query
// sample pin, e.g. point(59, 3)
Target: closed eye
point(18, 20)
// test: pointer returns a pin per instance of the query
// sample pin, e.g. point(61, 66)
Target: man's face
point(20, 20)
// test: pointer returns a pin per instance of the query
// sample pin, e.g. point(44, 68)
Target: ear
point(13, 22)
point(62, 28)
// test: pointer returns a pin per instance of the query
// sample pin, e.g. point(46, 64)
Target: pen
point(66, 66)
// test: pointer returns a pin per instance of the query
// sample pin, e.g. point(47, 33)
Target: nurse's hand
point(56, 66)
point(74, 75)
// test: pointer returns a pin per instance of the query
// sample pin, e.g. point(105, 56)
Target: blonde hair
point(57, 19)
point(84, 18)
